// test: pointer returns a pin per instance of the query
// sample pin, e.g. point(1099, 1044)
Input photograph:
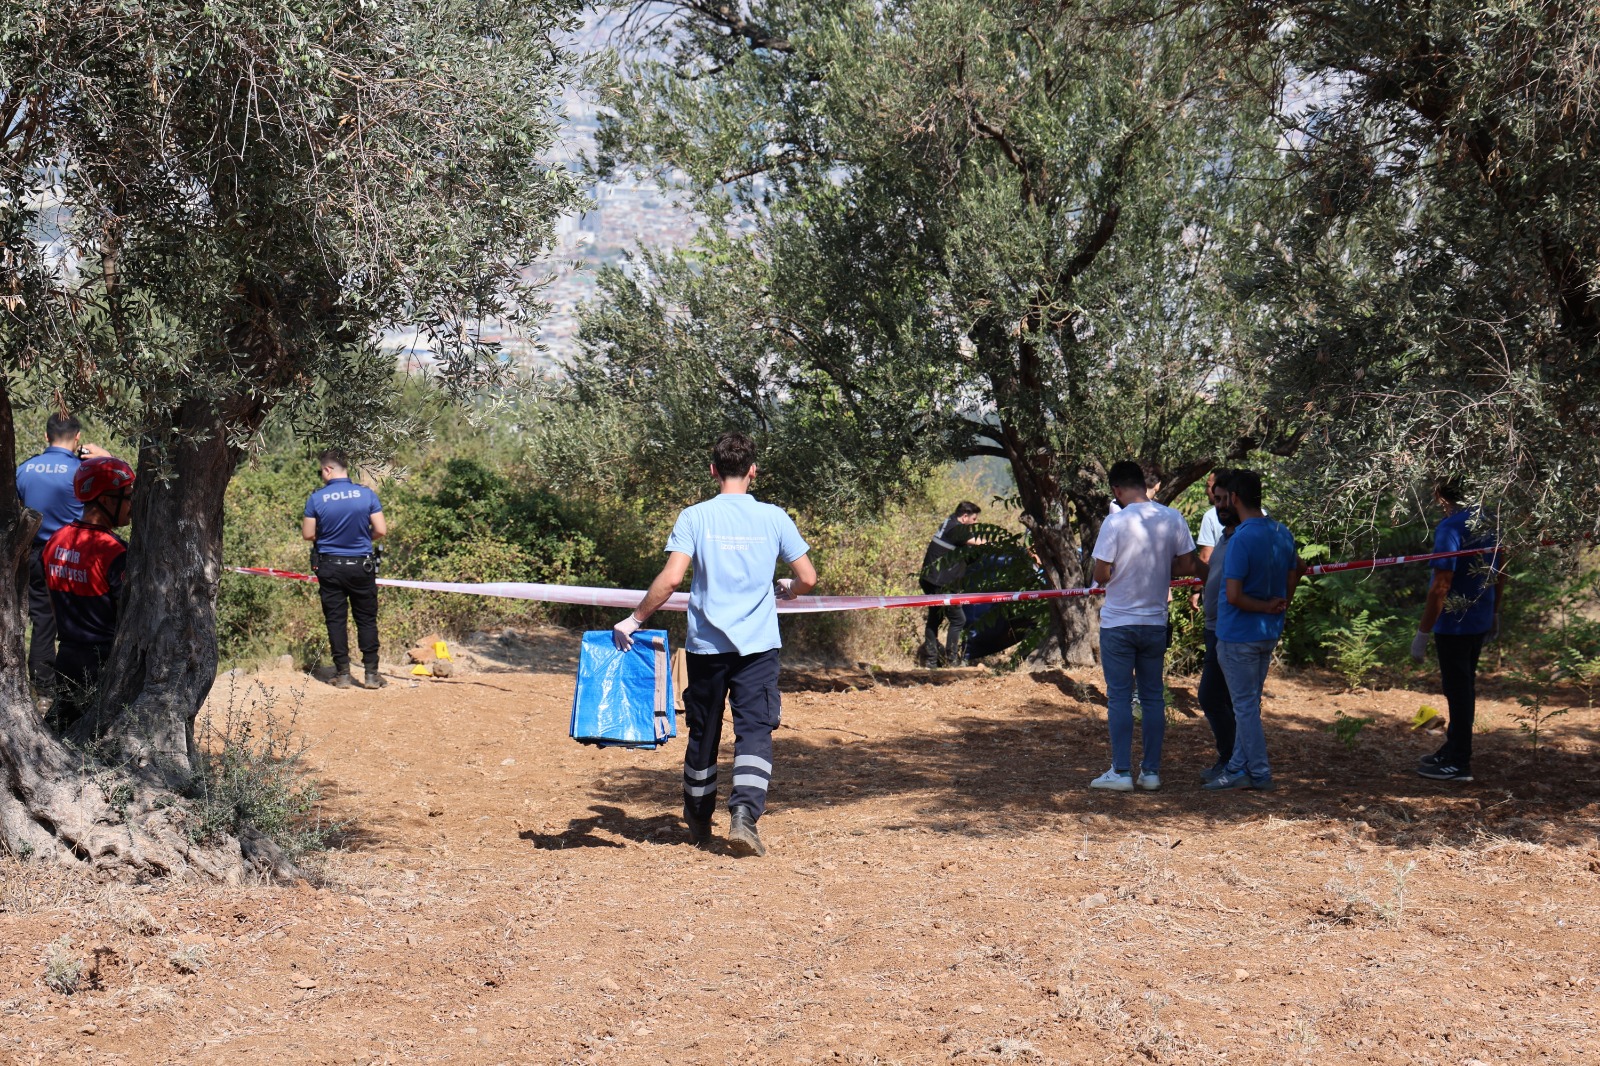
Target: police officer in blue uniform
point(342, 520)
point(44, 484)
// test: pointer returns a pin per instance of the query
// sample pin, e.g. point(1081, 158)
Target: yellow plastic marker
point(441, 650)
point(1426, 717)
point(421, 670)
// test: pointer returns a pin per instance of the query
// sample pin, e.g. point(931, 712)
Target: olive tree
point(208, 213)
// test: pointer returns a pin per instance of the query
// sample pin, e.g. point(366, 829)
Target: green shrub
point(1347, 727)
point(251, 771)
point(1357, 649)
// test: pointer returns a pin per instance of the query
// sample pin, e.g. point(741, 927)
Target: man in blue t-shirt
point(734, 542)
point(1260, 571)
point(44, 484)
point(1462, 614)
point(342, 519)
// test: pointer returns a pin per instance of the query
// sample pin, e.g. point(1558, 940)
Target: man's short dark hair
point(61, 426)
point(1246, 486)
point(1152, 477)
point(967, 507)
point(733, 455)
point(1126, 474)
point(334, 457)
point(1222, 478)
point(1450, 490)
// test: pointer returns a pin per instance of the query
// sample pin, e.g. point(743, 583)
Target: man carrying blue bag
point(734, 542)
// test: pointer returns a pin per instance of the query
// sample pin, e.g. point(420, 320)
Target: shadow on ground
point(981, 775)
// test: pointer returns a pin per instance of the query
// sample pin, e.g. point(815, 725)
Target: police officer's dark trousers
point(42, 645)
point(955, 616)
point(349, 582)
point(750, 683)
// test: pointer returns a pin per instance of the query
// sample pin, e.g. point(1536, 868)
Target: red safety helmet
point(100, 475)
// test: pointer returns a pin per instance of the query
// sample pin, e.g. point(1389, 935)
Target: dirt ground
point(940, 886)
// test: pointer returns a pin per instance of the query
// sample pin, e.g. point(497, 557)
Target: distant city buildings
point(622, 217)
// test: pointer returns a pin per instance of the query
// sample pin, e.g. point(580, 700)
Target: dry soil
point(940, 886)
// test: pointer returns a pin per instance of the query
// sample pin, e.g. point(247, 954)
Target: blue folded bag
point(624, 698)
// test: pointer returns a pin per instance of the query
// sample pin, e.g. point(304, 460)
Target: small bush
point(63, 971)
point(188, 958)
point(252, 772)
point(1346, 728)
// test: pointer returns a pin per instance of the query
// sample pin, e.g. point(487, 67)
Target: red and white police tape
point(629, 598)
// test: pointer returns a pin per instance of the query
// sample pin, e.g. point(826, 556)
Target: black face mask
point(1228, 517)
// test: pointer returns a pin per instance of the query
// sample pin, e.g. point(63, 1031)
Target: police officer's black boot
point(375, 679)
point(699, 828)
point(742, 835)
point(930, 648)
point(952, 647)
point(342, 678)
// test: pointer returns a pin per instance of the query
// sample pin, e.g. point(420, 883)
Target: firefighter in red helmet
point(85, 563)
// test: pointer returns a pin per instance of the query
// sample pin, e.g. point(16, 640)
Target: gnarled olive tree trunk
point(165, 656)
point(58, 800)
point(112, 795)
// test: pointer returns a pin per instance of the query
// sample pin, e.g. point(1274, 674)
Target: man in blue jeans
point(1141, 548)
point(734, 542)
point(1260, 571)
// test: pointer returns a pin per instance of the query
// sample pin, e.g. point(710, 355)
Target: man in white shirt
point(1141, 548)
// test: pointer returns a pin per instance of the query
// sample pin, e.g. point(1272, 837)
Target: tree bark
point(57, 803)
point(1061, 529)
point(165, 657)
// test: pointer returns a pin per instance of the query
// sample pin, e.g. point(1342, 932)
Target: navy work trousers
point(750, 683)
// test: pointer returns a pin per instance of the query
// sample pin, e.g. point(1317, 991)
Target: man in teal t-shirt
point(734, 542)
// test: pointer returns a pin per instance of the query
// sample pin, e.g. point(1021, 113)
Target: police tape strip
point(585, 596)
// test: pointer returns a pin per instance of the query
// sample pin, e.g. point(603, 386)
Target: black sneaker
point(375, 680)
point(742, 833)
point(343, 680)
point(1431, 760)
point(699, 828)
point(1445, 771)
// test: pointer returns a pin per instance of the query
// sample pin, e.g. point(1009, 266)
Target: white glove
point(622, 633)
point(1419, 645)
point(784, 588)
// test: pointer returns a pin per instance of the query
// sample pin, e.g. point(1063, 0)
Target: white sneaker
point(1148, 781)
point(1113, 781)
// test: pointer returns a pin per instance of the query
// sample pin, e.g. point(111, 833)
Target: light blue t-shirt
point(1260, 555)
point(735, 541)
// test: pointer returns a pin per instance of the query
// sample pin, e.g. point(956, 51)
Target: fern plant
point(1356, 649)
